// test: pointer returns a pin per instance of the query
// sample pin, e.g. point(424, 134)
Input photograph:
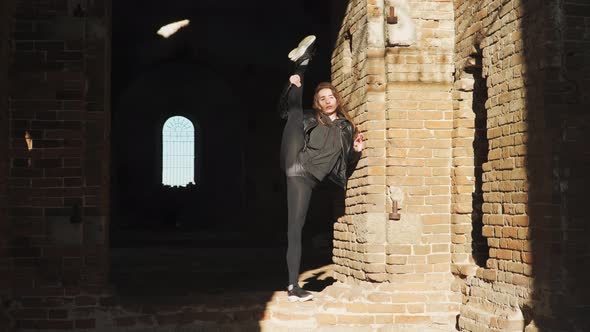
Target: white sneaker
point(300, 50)
point(298, 294)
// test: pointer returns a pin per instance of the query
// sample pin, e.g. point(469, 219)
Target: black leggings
point(299, 187)
point(293, 137)
point(299, 190)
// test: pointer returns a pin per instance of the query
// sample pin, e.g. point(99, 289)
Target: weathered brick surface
point(6, 10)
point(398, 96)
point(343, 307)
point(523, 81)
point(490, 176)
point(351, 70)
point(58, 95)
point(475, 119)
point(472, 109)
point(400, 99)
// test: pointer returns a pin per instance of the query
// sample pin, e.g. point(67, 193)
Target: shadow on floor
point(174, 269)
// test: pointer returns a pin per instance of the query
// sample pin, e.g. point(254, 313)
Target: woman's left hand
point(358, 144)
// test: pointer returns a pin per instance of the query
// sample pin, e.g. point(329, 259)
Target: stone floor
point(171, 283)
point(170, 288)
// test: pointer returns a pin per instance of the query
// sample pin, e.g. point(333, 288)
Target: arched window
point(178, 152)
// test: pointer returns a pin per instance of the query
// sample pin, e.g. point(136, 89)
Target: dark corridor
point(223, 72)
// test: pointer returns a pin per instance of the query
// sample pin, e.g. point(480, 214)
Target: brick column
point(401, 100)
point(419, 158)
point(359, 236)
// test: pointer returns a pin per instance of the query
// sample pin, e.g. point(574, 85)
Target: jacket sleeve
point(353, 159)
point(353, 156)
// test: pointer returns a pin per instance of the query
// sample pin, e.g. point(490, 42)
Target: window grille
point(178, 152)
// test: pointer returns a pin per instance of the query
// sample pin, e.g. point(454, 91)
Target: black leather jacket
point(347, 163)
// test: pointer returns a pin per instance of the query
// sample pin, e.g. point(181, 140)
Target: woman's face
point(327, 101)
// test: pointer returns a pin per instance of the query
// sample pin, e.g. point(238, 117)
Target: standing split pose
point(317, 144)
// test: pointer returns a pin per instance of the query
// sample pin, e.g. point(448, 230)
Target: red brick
point(64, 192)
point(46, 201)
point(85, 300)
point(48, 163)
point(58, 212)
point(56, 324)
point(26, 172)
point(47, 183)
point(12, 183)
point(26, 324)
point(58, 314)
point(61, 55)
point(26, 262)
point(22, 314)
point(49, 45)
point(125, 321)
point(25, 212)
point(24, 252)
point(73, 291)
point(72, 162)
point(43, 302)
point(85, 323)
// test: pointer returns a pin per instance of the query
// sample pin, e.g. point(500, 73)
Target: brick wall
point(483, 150)
point(6, 11)
point(529, 51)
point(491, 49)
point(474, 126)
point(349, 65)
point(57, 190)
point(419, 122)
point(470, 151)
point(5, 60)
point(397, 78)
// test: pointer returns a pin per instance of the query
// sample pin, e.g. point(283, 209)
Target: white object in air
point(170, 29)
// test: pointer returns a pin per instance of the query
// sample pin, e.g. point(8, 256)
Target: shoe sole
point(298, 51)
point(299, 299)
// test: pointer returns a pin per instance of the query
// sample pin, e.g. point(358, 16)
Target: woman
point(316, 145)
